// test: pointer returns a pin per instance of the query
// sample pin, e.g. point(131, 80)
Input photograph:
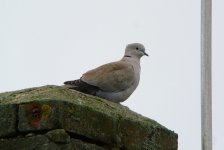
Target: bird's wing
point(113, 77)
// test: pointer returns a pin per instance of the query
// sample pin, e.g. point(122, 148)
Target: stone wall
point(53, 117)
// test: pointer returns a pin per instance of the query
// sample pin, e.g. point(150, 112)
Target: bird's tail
point(74, 82)
point(81, 86)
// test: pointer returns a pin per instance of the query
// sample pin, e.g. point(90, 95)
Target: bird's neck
point(132, 60)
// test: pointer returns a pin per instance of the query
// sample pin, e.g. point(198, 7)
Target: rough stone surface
point(7, 120)
point(58, 136)
point(53, 117)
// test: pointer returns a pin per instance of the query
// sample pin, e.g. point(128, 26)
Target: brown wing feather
point(115, 76)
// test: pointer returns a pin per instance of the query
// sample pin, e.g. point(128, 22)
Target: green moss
point(86, 115)
point(51, 92)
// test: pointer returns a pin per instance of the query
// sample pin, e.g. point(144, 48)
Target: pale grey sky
point(50, 41)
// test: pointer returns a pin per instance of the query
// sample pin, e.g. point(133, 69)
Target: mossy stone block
point(8, 120)
point(61, 118)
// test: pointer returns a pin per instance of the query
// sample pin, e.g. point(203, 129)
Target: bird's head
point(135, 50)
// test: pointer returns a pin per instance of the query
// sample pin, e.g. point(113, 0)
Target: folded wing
point(112, 77)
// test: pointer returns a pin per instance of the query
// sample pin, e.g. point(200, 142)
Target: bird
point(114, 81)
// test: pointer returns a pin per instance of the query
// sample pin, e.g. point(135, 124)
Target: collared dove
point(114, 81)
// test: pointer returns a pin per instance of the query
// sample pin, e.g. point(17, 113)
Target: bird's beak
point(146, 54)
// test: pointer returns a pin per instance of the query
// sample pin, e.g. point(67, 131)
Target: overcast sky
point(50, 41)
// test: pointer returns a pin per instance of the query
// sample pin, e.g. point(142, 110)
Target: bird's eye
point(137, 48)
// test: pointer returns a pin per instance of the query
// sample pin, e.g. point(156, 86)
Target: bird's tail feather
point(81, 86)
point(74, 82)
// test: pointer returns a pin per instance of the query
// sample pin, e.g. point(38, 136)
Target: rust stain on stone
point(36, 113)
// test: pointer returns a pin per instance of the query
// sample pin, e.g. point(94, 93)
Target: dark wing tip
point(74, 82)
point(68, 82)
point(82, 86)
